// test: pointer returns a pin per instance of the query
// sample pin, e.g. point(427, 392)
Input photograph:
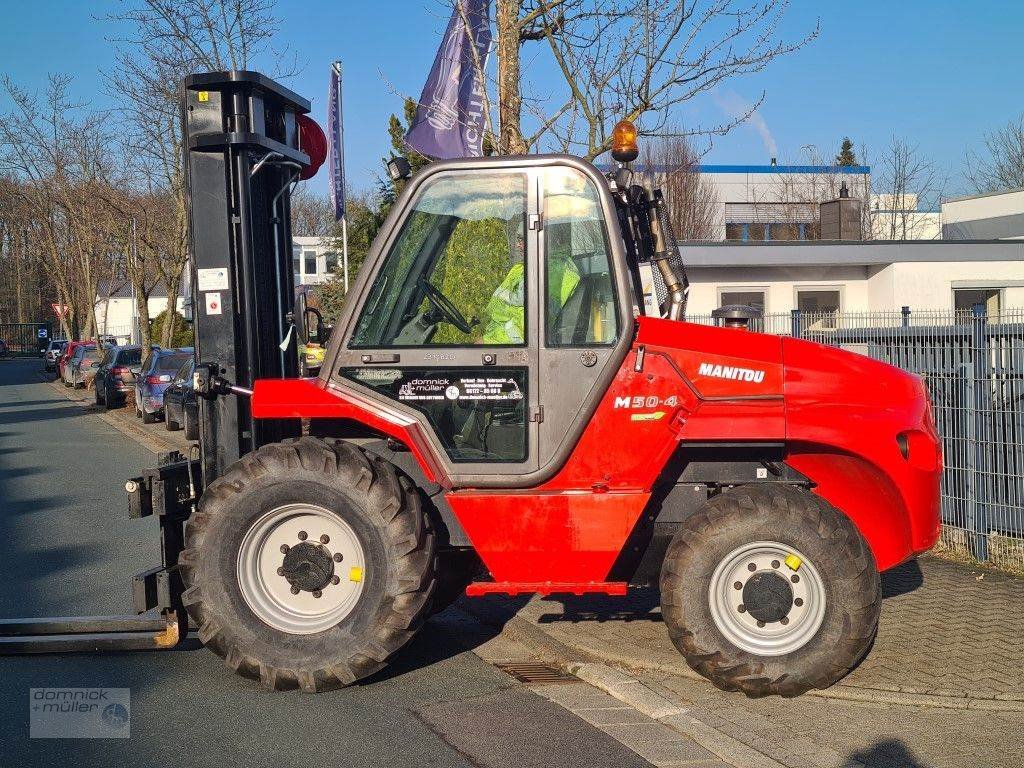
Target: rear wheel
point(308, 564)
point(189, 424)
point(170, 424)
point(768, 589)
point(147, 417)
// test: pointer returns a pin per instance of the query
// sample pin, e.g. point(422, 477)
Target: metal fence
point(973, 365)
point(24, 339)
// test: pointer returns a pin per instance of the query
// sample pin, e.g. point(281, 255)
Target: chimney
point(840, 219)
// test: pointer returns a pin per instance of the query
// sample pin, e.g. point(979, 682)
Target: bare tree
point(905, 179)
point(1000, 165)
point(636, 60)
point(691, 198)
point(312, 215)
point(170, 39)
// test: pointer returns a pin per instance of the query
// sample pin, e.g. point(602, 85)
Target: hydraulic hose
point(669, 261)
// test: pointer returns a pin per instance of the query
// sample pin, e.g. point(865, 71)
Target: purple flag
point(336, 144)
point(449, 120)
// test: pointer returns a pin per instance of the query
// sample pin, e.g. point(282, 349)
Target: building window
point(309, 267)
point(735, 231)
point(964, 299)
point(785, 232)
point(331, 262)
point(817, 301)
point(296, 263)
point(750, 298)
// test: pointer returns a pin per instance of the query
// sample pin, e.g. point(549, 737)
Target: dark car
point(155, 375)
point(115, 377)
point(180, 407)
point(3, 348)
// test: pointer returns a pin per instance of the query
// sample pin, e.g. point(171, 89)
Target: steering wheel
point(444, 305)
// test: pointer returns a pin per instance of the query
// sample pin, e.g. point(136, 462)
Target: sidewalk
point(943, 685)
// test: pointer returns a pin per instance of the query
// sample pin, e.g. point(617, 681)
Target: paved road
point(68, 548)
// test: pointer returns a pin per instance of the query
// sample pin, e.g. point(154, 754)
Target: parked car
point(115, 376)
point(154, 377)
point(52, 353)
point(180, 407)
point(80, 369)
point(4, 351)
point(67, 354)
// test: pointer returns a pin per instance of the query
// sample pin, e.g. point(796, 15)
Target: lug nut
point(760, 625)
point(742, 608)
point(794, 578)
point(751, 567)
point(280, 571)
point(317, 593)
point(776, 564)
point(798, 602)
point(338, 557)
point(784, 620)
point(738, 585)
point(335, 580)
point(325, 539)
point(284, 549)
point(295, 590)
point(303, 535)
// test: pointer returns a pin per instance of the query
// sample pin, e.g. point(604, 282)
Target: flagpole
point(341, 163)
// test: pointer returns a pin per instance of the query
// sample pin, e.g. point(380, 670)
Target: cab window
point(456, 274)
point(580, 307)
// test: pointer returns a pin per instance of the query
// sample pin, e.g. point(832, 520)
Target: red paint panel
point(313, 399)
point(548, 537)
point(480, 588)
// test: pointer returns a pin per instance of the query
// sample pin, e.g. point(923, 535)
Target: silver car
point(81, 368)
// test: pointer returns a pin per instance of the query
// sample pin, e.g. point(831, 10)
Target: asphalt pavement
point(67, 547)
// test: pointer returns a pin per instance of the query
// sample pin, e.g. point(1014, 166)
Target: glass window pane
point(735, 232)
point(456, 274)
point(479, 416)
point(750, 298)
point(580, 305)
point(964, 299)
point(310, 262)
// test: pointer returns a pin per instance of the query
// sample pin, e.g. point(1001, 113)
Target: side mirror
point(314, 327)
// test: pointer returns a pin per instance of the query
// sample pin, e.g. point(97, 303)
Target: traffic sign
point(60, 310)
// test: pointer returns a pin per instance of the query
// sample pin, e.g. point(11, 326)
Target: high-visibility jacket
point(505, 315)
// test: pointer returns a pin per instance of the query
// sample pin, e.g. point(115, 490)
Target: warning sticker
point(470, 388)
point(212, 279)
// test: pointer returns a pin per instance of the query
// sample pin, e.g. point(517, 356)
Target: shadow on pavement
point(889, 753)
point(902, 579)
point(641, 605)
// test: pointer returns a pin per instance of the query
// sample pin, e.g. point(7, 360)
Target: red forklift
point(501, 409)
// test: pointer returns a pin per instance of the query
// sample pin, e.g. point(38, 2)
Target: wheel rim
point(289, 571)
point(786, 603)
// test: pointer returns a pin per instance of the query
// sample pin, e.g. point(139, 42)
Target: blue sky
point(939, 73)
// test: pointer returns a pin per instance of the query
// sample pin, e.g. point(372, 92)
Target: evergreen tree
point(846, 156)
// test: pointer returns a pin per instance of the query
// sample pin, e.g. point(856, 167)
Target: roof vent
point(736, 315)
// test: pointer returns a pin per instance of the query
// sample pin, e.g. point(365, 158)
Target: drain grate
point(533, 673)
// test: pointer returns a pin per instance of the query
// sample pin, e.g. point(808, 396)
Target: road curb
point(674, 713)
point(840, 692)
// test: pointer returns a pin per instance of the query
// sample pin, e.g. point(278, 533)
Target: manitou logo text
point(731, 372)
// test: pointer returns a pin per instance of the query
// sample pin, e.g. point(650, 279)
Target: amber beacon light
point(624, 148)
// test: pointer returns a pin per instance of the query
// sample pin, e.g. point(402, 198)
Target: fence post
point(794, 319)
point(979, 357)
point(906, 315)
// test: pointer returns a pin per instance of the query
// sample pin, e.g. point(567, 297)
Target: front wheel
point(308, 564)
point(769, 589)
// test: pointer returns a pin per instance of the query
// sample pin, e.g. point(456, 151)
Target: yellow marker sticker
point(793, 562)
point(654, 416)
point(355, 574)
point(204, 96)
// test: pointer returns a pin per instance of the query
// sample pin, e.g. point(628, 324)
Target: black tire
point(147, 417)
point(794, 517)
point(98, 401)
point(170, 424)
point(190, 426)
point(382, 507)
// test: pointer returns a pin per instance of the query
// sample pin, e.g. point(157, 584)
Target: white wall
point(115, 316)
point(919, 285)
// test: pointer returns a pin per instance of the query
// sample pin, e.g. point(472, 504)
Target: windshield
point(172, 362)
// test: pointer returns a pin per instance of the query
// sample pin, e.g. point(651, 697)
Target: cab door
point(445, 327)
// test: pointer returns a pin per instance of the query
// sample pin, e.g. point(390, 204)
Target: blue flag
point(336, 144)
point(450, 117)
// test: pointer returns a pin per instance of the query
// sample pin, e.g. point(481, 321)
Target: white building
point(115, 307)
point(855, 276)
point(778, 202)
point(313, 260)
point(897, 217)
point(998, 215)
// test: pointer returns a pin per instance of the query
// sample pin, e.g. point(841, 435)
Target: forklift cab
point(494, 312)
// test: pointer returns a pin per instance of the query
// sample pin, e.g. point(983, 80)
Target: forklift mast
point(243, 153)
